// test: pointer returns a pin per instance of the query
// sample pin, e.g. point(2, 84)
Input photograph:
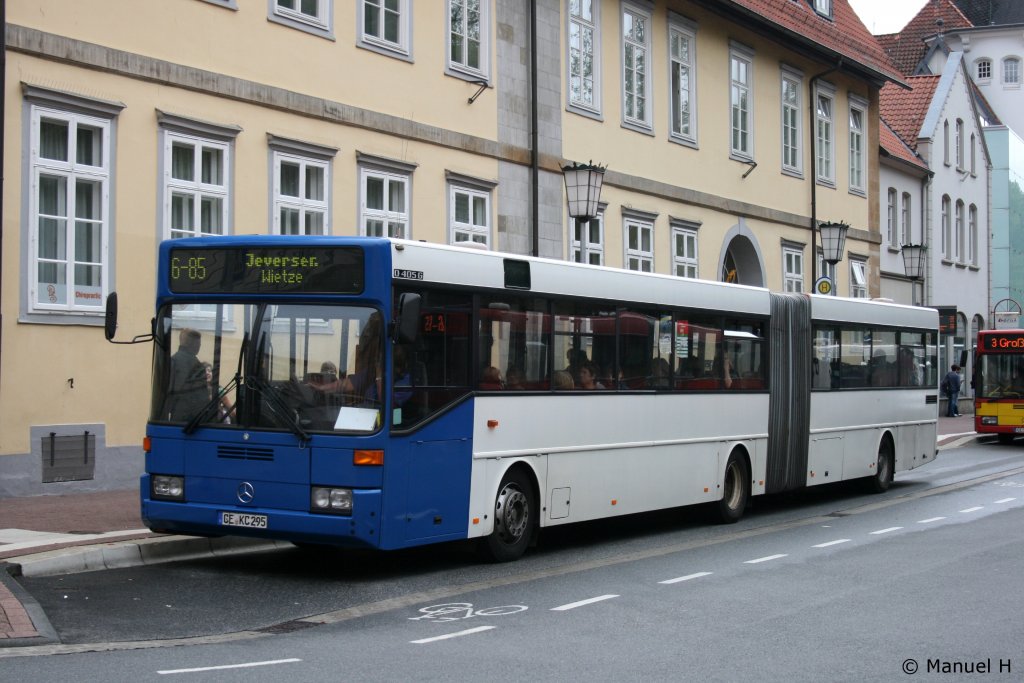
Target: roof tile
point(904, 110)
point(907, 48)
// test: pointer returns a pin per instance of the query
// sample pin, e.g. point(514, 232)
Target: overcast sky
point(886, 16)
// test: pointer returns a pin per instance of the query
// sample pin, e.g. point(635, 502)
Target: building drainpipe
point(534, 154)
point(814, 167)
point(3, 108)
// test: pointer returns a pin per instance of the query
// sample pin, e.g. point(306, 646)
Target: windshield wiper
point(278, 408)
point(208, 410)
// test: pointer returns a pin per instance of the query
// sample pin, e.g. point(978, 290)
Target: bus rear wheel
point(515, 517)
point(736, 490)
point(885, 467)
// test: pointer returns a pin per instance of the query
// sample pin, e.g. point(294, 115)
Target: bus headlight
point(989, 420)
point(166, 487)
point(332, 500)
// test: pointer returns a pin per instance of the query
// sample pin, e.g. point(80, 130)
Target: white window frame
point(1011, 72)
point(682, 79)
point(947, 223)
point(823, 7)
point(638, 256)
point(858, 279)
point(791, 118)
point(461, 66)
point(972, 237)
point(959, 144)
point(595, 249)
point(825, 136)
point(961, 231)
point(685, 254)
point(195, 188)
point(792, 269)
point(945, 142)
point(71, 172)
point(983, 70)
point(402, 46)
point(906, 209)
point(858, 146)
point(471, 231)
point(891, 214)
point(741, 103)
point(632, 117)
point(304, 206)
point(576, 27)
point(289, 13)
point(389, 217)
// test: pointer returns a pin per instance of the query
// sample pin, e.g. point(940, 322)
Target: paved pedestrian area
point(83, 531)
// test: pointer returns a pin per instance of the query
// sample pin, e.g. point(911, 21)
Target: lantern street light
point(583, 190)
point(913, 265)
point(833, 240)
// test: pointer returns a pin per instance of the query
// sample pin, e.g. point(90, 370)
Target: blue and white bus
point(364, 392)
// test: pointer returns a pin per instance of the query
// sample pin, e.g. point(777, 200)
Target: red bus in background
point(999, 384)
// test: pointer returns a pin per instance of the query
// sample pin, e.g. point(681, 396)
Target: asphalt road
point(824, 585)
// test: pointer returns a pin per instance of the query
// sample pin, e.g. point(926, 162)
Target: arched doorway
point(741, 260)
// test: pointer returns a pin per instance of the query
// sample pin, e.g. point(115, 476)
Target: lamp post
point(833, 241)
point(583, 190)
point(913, 264)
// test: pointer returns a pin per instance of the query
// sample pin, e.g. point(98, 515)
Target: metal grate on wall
point(69, 457)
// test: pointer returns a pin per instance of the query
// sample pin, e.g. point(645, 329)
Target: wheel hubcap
point(732, 488)
point(511, 513)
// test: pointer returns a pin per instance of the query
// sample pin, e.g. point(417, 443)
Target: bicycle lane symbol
point(455, 611)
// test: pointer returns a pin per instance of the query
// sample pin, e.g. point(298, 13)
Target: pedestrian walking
point(951, 388)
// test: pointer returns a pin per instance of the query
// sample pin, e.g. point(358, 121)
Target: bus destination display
point(267, 270)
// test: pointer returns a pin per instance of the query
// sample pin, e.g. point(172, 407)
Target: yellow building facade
point(128, 123)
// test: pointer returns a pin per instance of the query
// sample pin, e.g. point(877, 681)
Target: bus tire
point(1005, 438)
point(515, 518)
point(885, 467)
point(735, 490)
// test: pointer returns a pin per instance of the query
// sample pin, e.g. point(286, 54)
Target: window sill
point(894, 250)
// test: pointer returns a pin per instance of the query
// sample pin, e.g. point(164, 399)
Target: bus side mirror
point(407, 324)
point(110, 321)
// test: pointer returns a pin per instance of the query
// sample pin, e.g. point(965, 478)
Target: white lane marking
point(836, 542)
point(929, 520)
point(1004, 500)
point(765, 559)
point(229, 666)
point(457, 634)
point(679, 579)
point(973, 509)
point(581, 603)
point(885, 531)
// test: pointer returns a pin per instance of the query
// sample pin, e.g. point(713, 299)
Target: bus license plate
point(1019, 430)
point(238, 519)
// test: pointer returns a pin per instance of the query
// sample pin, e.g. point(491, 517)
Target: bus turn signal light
point(368, 458)
point(147, 445)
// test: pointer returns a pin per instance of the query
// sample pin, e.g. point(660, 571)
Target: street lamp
point(583, 190)
point(913, 260)
point(833, 239)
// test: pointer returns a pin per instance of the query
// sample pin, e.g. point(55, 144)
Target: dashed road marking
point(930, 520)
point(222, 667)
point(680, 579)
point(886, 531)
point(1004, 500)
point(581, 603)
point(835, 542)
point(765, 559)
point(457, 634)
point(974, 509)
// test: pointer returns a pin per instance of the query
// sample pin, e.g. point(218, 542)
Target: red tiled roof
point(904, 110)
point(907, 48)
point(896, 148)
point(843, 34)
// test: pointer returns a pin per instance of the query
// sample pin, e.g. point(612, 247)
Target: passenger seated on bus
point(721, 369)
point(364, 385)
point(910, 371)
point(690, 367)
point(660, 372)
point(588, 377)
point(561, 380)
point(881, 371)
point(188, 391)
point(574, 359)
point(402, 386)
point(490, 379)
point(327, 379)
point(515, 379)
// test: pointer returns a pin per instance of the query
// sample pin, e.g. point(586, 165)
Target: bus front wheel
point(885, 466)
point(515, 517)
point(736, 490)
point(1005, 438)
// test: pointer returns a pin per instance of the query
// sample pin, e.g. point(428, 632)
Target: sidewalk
point(60, 534)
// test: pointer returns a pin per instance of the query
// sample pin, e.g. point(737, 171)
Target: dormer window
point(823, 7)
point(984, 69)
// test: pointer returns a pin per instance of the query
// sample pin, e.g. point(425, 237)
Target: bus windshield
point(290, 367)
point(1000, 375)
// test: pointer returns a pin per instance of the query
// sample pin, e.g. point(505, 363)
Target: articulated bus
point(999, 384)
point(366, 392)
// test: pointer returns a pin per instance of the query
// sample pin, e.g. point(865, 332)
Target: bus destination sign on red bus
point(1000, 340)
